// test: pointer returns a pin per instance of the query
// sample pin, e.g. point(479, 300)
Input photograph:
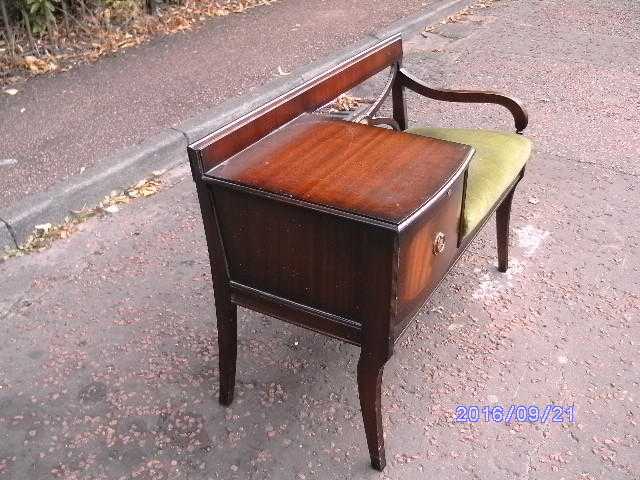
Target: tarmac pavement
point(72, 138)
point(108, 364)
point(59, 126)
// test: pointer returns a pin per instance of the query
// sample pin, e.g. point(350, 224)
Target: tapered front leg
point(369, 389)
point(227, 350)
point(503, 214)
point(226, 312)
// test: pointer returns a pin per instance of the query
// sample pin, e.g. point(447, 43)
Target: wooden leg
point(369, 389)
point(503, 214)
point(227, 351)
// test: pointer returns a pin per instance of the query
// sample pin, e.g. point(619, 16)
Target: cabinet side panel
point(295, 253)
point(421, 268)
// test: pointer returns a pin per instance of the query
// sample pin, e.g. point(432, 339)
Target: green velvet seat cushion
point(499, 158)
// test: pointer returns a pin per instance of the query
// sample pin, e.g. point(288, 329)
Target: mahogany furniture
point(340, 227)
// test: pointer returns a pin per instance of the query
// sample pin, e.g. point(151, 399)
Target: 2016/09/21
point(516, 413)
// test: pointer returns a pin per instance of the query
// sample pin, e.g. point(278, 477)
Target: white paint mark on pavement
point(492, 285)
point(7, 162)
point(530, 238)
point(111, 209)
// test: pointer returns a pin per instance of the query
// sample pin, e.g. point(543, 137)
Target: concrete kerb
point(167, 149)
point(6, 238)
point(207, 122)
point(202, 125)
point(162, 151)
point(438, 11)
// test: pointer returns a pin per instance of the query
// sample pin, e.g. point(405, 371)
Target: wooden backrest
point(228, 140)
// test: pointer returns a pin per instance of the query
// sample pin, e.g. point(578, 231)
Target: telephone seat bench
point(347, 228)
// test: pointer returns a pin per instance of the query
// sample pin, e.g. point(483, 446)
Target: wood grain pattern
point(308, 257)
point(358, 168)
point(316, 92)
point(420, 269)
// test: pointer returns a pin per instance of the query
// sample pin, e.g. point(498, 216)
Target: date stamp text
point(549, 413)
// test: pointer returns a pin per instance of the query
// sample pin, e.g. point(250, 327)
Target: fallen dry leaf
point(39, 65)
point(43, 228)
point(45, 234)
point(90, 38)
point(346, 103)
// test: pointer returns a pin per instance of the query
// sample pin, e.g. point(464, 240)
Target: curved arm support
point(520, 116)
point(375, 106)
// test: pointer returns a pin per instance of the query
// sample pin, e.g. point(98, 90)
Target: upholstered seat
point(499, 159)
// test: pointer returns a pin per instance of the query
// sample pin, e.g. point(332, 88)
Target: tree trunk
point(27, 25)
point(8, 30)
point(65, 15)
point(152, 6)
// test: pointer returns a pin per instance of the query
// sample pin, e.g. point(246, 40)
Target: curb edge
point(164, 150)
point(167, 149)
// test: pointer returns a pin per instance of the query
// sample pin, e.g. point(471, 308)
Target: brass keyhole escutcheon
point(439, 243)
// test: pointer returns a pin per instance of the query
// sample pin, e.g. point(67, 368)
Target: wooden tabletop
point(369, 171)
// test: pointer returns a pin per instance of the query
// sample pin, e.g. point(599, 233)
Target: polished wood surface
point(359, 278)
point(306, 256)
point(373, 172)
point(343, 229)
point(520, 116)
point(420, 265)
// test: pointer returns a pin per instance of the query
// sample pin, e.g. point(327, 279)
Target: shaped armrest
point(520, 116)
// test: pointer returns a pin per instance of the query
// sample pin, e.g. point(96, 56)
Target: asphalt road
point(57, 126)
